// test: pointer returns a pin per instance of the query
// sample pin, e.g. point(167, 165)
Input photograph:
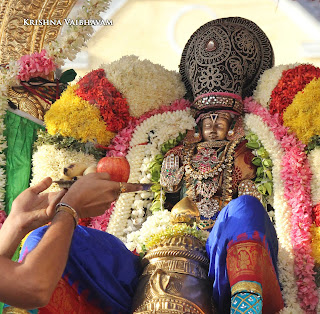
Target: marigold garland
point(291, 82)
point(315, 231)
point(302, 116)
point(175, 231)
point(97, 90)
point(75, 117)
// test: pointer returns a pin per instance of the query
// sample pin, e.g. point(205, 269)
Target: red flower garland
point(291, 82)
point(97, 90)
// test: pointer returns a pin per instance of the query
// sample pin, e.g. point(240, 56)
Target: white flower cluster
point(314, 160)
point(49, 161)
point(145, 145)
point(68, 44)
point(153, 225)
point(282, 213)
point(268, 81)
point(145, 85)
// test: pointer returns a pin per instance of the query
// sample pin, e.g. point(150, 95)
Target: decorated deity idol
point(220, 65)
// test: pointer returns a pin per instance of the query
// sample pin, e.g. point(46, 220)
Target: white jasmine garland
point(145, 145)
point(50, 161)
point(314, 160)
point(282, 213)
point(154, 224)
point(68, 44)
point(268, 81)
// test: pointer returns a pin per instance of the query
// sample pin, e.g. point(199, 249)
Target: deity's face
point(215, 129)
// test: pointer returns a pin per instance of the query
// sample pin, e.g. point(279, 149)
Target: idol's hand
point(92, 194)
point(31, 209)
point(171, 175)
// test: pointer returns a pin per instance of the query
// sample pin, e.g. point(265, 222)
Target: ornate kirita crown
point(222, 62)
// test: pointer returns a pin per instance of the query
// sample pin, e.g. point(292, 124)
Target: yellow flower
point(75, 117)
point(315, 245)
point(303, 115)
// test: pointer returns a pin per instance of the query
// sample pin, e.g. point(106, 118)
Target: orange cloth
point(66, 300)
point(250, 261)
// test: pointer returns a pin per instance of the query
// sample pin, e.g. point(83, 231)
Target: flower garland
point(302, 116)
point(291, 82)
point(145, 85)
point(96, 89)
point(176, 230)
point(268, 81)
point(314, 161)
point(35, 65)
point(50, 161)
point(282, 212)
point(69, 43)
point(297, 177)
point(154, 224)
point(120, 144)
point(68, 143)
point(69, 116)
point(145, 144)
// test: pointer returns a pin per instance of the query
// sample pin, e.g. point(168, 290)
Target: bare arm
point(31, 283)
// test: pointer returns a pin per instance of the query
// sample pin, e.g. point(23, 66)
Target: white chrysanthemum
point(282, 213)
point(314, 160)
point(144, 84)
point(153, 225)
point(268, 81)
point(48, 161)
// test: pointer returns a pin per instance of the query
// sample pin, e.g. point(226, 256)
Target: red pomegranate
point(117, 167)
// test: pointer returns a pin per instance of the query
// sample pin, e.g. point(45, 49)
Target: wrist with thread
point(68, 209)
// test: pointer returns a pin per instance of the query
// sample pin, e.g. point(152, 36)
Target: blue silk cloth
point(99, 266)
point(244, 218)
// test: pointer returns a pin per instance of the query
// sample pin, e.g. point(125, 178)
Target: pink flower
point(35, 65)
point(3, 217)
point(296, 175)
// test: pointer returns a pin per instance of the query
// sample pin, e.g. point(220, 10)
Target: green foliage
point(264, 180)
point(68, 143)
point(314, 142)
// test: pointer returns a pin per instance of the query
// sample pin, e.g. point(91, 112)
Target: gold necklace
point(200, 175)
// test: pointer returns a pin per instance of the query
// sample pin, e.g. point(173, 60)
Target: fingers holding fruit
point(93, 194)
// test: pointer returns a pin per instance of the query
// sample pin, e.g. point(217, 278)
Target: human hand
point(171, 175)
point(92, 194)
point(31, 209)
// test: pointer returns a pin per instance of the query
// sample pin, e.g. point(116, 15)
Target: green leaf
point(267, 163)
point(262, 189)
point(257, 161)
point(269, 174)
point(268, 186)
point(253, 145)
point(68, 76)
